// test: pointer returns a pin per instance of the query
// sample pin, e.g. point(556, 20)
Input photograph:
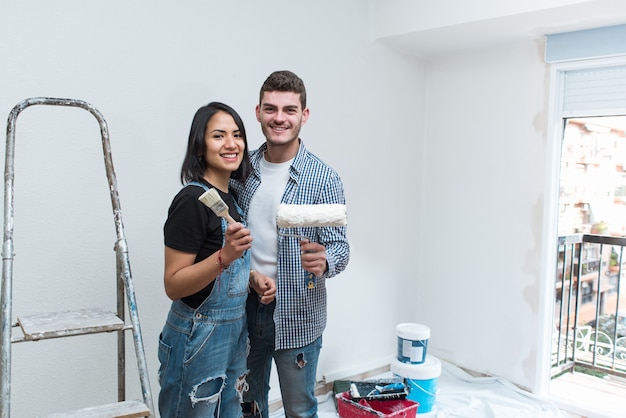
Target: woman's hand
point(237, 240)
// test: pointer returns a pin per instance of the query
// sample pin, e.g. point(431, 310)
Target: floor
point(588, 396)
point(462, 395)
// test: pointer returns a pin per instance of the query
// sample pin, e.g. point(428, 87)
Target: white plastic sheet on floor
point(461, 395)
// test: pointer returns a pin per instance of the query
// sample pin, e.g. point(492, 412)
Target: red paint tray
point(397, 408)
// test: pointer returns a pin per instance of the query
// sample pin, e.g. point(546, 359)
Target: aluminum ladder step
point(126, 409)
point(67, 323)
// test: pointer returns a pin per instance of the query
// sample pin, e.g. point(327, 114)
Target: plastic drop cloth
point(461, 395)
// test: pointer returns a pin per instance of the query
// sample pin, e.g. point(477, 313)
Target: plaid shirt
point(300, 314)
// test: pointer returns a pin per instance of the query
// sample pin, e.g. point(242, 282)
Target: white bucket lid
point(414, 332)
point(429, 369)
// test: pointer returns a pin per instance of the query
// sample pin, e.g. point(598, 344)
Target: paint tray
point(397, 408)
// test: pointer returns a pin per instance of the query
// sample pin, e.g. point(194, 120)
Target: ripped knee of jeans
point(300, 360)
point(208, 390)
point(241, 386)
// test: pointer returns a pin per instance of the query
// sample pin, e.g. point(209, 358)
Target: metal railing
point(588, 327)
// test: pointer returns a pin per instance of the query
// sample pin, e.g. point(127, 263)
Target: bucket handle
point(413, 384)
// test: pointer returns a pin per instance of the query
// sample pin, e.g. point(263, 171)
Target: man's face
point(281, 116)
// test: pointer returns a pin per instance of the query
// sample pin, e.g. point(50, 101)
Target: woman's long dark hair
point(194, 164)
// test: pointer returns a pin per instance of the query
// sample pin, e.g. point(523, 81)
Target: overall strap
point(197, 183)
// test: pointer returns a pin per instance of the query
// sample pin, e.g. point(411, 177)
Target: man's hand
point(313, 257)
point(264, 286)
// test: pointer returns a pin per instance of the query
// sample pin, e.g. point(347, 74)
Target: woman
point(203, 345)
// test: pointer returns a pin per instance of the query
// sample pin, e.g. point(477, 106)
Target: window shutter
point(592, 91)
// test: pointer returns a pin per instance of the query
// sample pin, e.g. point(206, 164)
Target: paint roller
point(294, 216)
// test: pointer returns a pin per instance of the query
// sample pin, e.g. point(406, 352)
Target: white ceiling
point(456, 38)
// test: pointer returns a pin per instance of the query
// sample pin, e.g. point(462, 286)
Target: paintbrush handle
point(224, 214)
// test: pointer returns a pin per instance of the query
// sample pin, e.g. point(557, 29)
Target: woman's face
point(224, 145)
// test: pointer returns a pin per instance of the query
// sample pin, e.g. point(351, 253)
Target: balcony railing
point(589, 319)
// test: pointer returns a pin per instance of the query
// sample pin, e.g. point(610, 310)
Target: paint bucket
point(412, 342)
point(421, 379)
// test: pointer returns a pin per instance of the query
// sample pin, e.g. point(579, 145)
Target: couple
point(220, 280)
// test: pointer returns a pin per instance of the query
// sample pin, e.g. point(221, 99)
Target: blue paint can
point(421, 379)
point(412, 342)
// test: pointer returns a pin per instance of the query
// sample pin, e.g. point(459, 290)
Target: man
point(289, 330)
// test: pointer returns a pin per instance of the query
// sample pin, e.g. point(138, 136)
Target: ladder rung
point(126, 409)
point(63, 324)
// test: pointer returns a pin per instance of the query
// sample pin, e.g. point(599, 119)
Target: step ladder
point(80, 322)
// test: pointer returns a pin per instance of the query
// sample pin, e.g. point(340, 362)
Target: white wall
point(147, 66)
point(483, 185)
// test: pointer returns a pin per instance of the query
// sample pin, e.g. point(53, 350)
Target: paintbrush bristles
point(212, 199)
point(291, 216)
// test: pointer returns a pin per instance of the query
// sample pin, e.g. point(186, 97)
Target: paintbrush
point(211, 198)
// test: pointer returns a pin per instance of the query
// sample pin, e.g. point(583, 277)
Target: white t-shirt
point(262, 216)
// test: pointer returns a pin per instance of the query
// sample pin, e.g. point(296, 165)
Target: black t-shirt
point(192, 227)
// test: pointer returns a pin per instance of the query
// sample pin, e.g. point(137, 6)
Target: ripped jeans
point(203, 362)
point(296, 368)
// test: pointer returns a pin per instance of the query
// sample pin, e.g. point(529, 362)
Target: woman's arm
point(182, 277)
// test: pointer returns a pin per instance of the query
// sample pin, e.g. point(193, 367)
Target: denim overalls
point(202, 352)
